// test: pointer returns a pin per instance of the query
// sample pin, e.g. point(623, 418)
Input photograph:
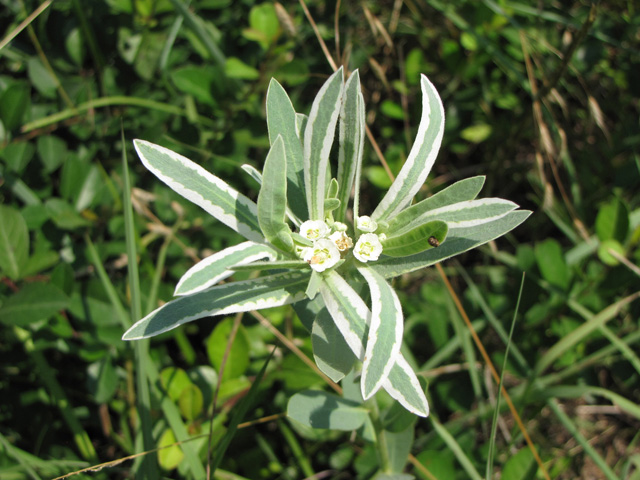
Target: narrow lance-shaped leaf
point(356, 190)
point(351, 128)
point(264, 292)
point(272, 199)
point(465, 214)
point(330, 351)
point(352, 316)
point(421, 157)
point(318, 138)
point(461, 191)
point(385, 333)
point(216, 267)
point(418, 239)
point(458, 240)
point(281, 120)
point(204, 189)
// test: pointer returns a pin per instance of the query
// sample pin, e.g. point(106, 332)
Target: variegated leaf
point(421, 157)
point(318, 138)
point(352, 317)
point(385, 333)
point(254, 294)
point(415, 240)
point(281, 120)
point(204, 189)
point(458, 240)
point(349, 154)
point(461, 191)
point(216, 267)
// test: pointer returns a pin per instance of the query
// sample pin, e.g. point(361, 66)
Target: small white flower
point(314, 229)
point(365, 224)
point(342, 240)
point(368, 247)
point(340, 227)
point(324, 254)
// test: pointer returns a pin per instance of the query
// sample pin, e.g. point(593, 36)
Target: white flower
point(342, 240)
point(368, 247)
point(324, 254)
point(365, 224)
point(314, 229)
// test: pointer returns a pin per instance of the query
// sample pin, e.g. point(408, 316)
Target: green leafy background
point(543, 101)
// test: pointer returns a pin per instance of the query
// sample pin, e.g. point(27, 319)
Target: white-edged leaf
point(301, 123)
point(461, 191)
point(216, 267)
point(421, 157)
point(272, 199)
point(352, 317)
point(281, 120)
point(330, 351)
point(458, 240)
point(356, 181)
point(385, 333)
point(270, 265)
point(403, 385)
point(351, 136)
point(349, 312)
point(318, 138)
point(465, 214)
point(264, 292)
point(204, 189)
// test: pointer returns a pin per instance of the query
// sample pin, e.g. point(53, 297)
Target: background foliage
point(543, 100)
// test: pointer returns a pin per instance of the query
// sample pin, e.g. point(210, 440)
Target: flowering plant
point(313, 251)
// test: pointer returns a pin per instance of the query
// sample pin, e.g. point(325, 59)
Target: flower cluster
point(330, 244)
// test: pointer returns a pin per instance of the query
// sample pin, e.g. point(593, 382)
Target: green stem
point(381, 440)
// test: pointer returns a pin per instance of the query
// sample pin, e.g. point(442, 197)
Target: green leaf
point(462, 191)
point(604, 252)
point(421, 157)
point(332, 354)
point(64, 215)
point(385, 333)
point(204, 189)
point(191, 403)
point(236, 68)
point(263, 292)
point(41, 78)
point(351, 131)
point(403, 385)
point(272, 199)
point(318, 409)
point(34, 302)
point(216, 267)
point(14, 242)
point(612, 222)
point(521, 466)
point(281, 121)
point(318, 138)
point(264, 25)
point(103, 380)
point(398, 446)
point(17, 156)
point(52, 151)
point(459, 240)
point(15, 103)
point(238, 359)
point(552, 264)
point(169, 457)
point(421, 238)
point(476, 133)
point(198, 81)
point(174, 380)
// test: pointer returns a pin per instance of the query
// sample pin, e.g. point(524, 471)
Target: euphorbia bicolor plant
point(314, 247)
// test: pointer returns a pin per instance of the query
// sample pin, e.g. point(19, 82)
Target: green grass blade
point(149, 468)
point(264, 292)
point(457, 450)
point(496, 412)
point(421, 157)
point(281, 120)
point(318, 138)
point(239, 412)
point(584, 443)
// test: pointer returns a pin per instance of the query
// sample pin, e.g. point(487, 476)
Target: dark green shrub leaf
point(36, 301)
point(15, 102)
point(191, 402)
point(14, 242)
point(318, 409)
point(238, 359)
point(552, 264)
point(612, 222)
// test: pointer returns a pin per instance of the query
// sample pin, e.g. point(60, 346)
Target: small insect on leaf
point(433, 241)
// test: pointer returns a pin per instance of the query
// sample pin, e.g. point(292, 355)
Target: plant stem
point(381, 439)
